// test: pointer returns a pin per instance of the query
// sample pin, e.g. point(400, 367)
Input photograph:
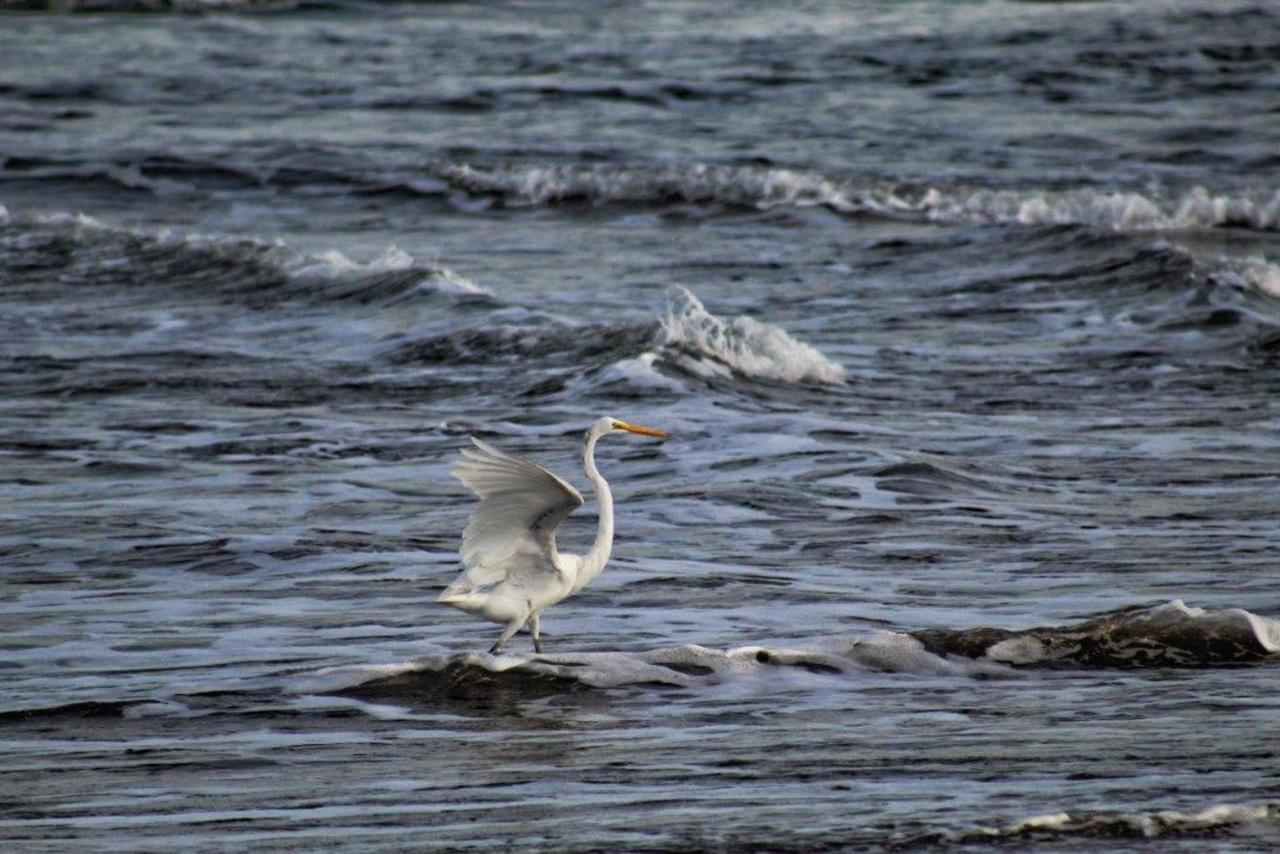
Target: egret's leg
point(510, 630)
point(537, 637)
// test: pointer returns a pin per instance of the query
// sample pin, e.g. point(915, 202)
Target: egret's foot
point(506, 635)
point(537, 645)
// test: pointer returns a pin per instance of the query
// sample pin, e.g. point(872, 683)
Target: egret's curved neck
point(593, 561)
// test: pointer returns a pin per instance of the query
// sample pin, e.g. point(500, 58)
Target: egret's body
point(513, 569)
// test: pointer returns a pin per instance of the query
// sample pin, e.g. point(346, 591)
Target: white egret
point(512, 569)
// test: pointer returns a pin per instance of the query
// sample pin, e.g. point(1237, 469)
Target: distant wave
point(750, 186)
point(170, 174)
point(767, 187)
point(1169, 635)
point(87, 251)
point(131, 6)
point(1117, 210)
point(1094, 825)
point(745, 186)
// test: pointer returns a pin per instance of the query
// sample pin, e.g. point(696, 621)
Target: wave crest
point(707, 345)
point(751, 186)
point(1114, 210)
point(765, 187)
point(639, 357)
point(1213, 821)
point(1167, 635)
point(259, 272)
point(742, 186)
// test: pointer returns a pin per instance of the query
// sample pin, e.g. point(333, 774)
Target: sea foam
point(1168, 635)
point(1115, 210)
point(708, 345)
point(1172, 634)
point(765, 187)
point(684, 666)
point(699, 183)
point(1093, 825)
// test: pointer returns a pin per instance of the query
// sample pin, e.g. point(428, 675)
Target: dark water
point(965, 319)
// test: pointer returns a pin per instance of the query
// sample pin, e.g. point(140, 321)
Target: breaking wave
point(687, 339)
point(704, 344)
point(1115, 210)
point(764, 187)
point(1169, 635)
point(1214, 821)
point(744, 186)
point(749, 186)
point(78, 248)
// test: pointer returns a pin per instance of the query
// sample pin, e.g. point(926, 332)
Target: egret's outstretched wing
point(521, 505)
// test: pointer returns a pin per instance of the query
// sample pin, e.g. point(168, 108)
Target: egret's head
point(605, 426)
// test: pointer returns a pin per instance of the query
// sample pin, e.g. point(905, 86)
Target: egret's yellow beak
point(643, 431)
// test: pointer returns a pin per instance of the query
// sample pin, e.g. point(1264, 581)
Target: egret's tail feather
point(456, 594)
point(479, 600)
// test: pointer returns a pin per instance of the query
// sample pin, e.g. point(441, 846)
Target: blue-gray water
point(961, 316)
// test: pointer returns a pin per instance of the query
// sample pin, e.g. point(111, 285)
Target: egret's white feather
point(521, 505)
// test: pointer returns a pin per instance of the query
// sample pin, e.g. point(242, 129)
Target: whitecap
point(1096, 824)
point(712, 345)
point(1116, 210)
point(1127, 209)
point(695, 183)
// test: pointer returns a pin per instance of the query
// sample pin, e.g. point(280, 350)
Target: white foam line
point(1149, 825)
point(766, 187)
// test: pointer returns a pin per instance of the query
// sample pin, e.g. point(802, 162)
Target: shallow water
point(960, 316)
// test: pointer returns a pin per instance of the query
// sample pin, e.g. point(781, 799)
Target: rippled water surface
point(965, 320)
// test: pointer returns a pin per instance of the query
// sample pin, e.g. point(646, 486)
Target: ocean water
point(964, 318)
